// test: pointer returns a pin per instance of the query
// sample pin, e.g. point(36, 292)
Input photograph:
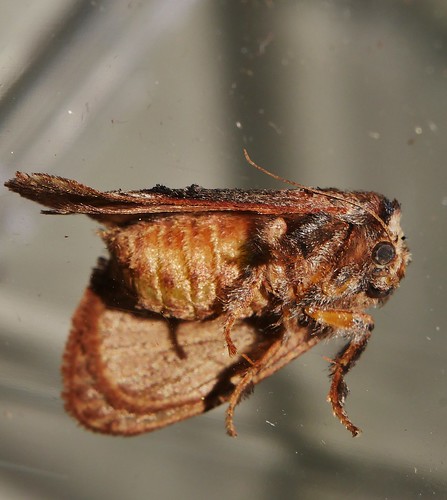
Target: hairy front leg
point(340, 366)
point(358, 326)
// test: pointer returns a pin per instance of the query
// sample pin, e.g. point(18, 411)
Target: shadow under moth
point(208, 291)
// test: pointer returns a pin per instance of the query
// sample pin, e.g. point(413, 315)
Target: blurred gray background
point(350, 94)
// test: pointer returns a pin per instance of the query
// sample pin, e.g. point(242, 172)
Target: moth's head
point(374, 256)
point(388, 256)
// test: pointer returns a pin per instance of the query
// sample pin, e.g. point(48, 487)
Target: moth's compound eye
point(383, 253)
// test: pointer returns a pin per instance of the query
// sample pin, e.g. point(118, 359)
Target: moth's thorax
point(179, 265)
point(334, 264)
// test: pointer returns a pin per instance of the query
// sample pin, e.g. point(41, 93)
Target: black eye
point(383, 253)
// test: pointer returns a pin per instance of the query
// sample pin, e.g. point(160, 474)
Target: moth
point(208, 291)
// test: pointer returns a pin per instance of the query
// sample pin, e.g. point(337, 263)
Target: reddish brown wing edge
point(65, 196)
point(125, 373)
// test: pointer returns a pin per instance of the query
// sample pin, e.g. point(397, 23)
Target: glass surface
point(130, 94)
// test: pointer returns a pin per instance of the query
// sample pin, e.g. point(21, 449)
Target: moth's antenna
point(318, 191)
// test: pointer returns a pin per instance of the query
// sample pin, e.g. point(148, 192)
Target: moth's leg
point(361, 325)
point(340, 366)
point(246, 382)
point(264, 240)
point(238, 301)
point(340, 319)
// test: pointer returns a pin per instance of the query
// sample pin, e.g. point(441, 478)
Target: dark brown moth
point(208, 291)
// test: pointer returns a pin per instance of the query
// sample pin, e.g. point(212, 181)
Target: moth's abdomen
point(179, 265)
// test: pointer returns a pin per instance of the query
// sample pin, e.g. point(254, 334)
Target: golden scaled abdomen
point(179, 265)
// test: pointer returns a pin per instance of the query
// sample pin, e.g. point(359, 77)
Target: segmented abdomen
point(178, 265)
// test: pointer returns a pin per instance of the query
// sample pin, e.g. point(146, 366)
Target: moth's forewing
point(66, 196)
point(127, 373)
